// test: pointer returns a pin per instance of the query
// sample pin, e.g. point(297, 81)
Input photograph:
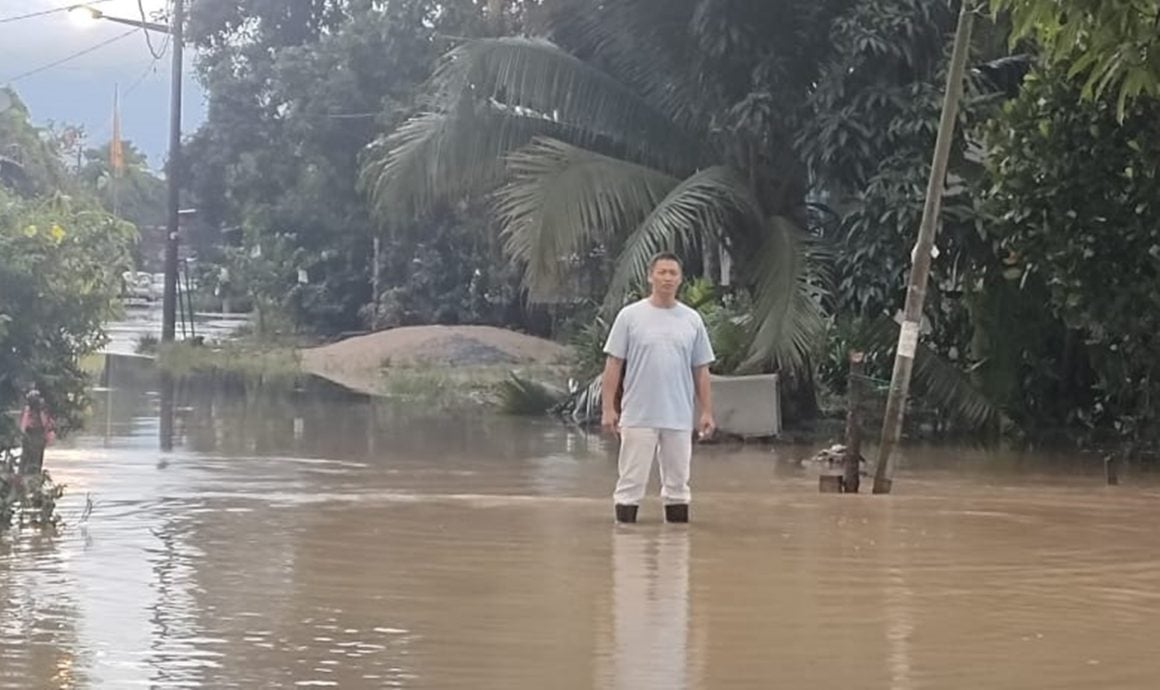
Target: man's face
point(665, 278)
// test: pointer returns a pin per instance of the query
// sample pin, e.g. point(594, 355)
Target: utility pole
point(921, 257)
point(175, 28)
point(169, 297)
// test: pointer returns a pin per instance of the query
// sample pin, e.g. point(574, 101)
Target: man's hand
point(610, 422)
point(609, 385)
point(706, 426)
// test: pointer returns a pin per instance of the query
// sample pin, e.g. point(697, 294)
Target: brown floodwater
point(323, 541)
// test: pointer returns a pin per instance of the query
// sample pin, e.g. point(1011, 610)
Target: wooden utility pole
point(851, 464)
point(921, 257)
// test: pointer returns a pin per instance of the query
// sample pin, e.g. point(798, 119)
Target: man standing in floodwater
point(661, 350)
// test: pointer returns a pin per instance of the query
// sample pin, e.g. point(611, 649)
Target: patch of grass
point(453, 388)
point(520, 396)
point(249, 360)
point(147, 344)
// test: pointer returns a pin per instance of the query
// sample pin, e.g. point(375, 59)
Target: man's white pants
point(672, 449)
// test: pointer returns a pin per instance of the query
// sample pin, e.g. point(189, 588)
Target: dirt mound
point(358, 362)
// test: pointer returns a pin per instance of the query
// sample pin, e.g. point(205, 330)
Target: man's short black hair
point(664, 256)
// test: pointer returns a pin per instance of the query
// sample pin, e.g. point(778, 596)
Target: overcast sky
point(81, 91)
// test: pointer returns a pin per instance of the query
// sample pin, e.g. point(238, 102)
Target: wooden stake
point(851, 478)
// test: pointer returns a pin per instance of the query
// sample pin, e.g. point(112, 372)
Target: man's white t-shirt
point(660, 346)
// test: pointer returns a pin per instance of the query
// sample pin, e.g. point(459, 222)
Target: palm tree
point(578, 158)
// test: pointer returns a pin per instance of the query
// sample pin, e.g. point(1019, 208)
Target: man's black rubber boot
point(677, 512)
point(626, 514)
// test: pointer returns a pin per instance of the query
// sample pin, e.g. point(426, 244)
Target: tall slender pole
point(920, 270)
point(169, 300)
point(852, 463)
point(375, 284)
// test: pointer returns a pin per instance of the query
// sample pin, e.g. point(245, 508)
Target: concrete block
point(747, 406)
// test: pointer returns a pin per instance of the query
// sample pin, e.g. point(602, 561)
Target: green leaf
point(491, 97)
point(702, 207)
point(788, 319)
point(562, 198)
point(938, 381)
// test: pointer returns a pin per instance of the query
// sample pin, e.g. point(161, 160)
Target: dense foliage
point(61, 256)
point(60, 270)
point(296, 91)
point(504, 151)
point(1074, 212)
point(1111, 44)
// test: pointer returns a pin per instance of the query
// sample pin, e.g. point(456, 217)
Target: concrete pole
point(920, 270)
point(173, 174)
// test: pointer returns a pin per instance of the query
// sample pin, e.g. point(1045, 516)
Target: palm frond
point(560, 198)
point(530, 76)
point(946, 386)
point(789, 276)
point(705, 205)
point(938, 381)
point(490, 97)
point(641, 42)
point(438, 156)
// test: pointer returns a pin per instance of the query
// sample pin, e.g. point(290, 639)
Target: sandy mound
point(357, 362)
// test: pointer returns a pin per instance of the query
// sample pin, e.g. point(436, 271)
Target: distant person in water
point(659, 350)
point(38, 431)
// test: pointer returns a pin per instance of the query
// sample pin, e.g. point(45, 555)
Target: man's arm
point(705, 425)
point(609, 384)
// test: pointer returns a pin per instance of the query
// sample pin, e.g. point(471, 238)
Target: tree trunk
point(710, 260)
point(799, 397)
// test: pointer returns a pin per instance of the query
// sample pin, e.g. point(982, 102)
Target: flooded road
point(144, 321)
point(327, 542)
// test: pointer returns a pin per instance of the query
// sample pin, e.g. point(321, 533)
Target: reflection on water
point(313, 539)
point(650, 607)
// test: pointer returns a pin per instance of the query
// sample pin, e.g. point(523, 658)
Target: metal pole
point(920, 270)
point(181, 307)
point(169, 302)
point(189, 301)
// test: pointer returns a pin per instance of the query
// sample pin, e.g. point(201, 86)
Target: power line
point(148, 41)
point(68, 58)
point(151, 68)
point(41, 13)
point(137, 82)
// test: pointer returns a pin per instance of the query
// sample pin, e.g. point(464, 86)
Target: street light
point(86, 13)
point(169, 297)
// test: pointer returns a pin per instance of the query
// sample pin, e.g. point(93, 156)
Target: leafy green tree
point(60, 266)
point(605, 153)
point(136, 194)
point(296, 90)
point(1075, 219)
point(1112, 43)
point(718, 129)
point(30, 159)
